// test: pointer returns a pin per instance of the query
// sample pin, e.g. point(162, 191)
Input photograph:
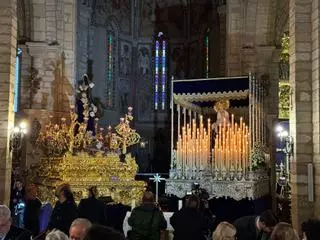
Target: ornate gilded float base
point(111, 176)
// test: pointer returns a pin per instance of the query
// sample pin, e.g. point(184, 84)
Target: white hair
point(56, 235)
point(5, 211)
point(81, 221)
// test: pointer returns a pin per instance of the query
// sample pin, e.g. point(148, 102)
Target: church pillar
point(8, 42)
point(37, 51)
point(316, 99)
point(233, 38)
point(222, 21)
point(301, 110)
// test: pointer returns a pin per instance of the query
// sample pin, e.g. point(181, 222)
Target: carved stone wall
point(8, 38)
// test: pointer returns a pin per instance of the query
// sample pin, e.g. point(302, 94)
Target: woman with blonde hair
point(224, 231)
point(284, 231)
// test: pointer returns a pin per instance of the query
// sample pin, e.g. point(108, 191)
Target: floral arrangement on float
point(258, 157)
point(80, 153)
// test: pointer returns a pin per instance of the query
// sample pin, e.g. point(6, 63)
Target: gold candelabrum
point(81, 159)
point(59, 139)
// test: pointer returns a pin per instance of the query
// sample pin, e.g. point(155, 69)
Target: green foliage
point(257, 157)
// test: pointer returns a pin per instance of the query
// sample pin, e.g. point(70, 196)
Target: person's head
point(311, 229)
point(148, 198)
point(31, 191)
point(224, 231)
point(267, 221)
point(56, 235)
point(65, 194)
point(18, 184)
point(284, 231)
point(5, 220)
point(97, 232)
point(93, 191)
point(192, 201)
point(79, 228)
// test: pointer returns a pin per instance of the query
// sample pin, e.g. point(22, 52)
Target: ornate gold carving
point(284, 100)
point(111, 176)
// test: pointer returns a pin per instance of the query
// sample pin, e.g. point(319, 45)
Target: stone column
point(222, 21)
point(301, 112)
point(37, 51)
point(316, 99)
point(233, 38)
point(8, 43)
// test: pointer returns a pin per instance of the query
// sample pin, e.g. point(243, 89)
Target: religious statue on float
point(220, 108)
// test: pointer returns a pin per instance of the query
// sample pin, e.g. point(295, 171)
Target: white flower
point(99, 145)
point(81, 88)
point(84, 100)
point(91, 85)
point(84, 95)
point(91, 114)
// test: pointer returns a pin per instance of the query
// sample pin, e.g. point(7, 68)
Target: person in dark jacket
point(189, 223)
point(91, 208)
point(7, 230)
point(311, 229)
point(64, 212)
point(97, 232)
point(115, 214)
point(255, 227)
point(32, 211)
point(147, 220)
point(17, 205)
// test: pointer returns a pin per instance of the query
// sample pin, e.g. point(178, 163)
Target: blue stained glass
point(17, 81)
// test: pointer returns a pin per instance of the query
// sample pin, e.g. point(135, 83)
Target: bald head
point(5, 211)
point(5, 220)
point(79, 229)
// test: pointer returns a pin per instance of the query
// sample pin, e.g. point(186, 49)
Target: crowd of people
point(88, 221)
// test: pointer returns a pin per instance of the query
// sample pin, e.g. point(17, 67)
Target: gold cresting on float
point(82, 159)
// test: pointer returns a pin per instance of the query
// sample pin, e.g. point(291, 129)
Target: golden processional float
point(77, 157)
point(218, 138)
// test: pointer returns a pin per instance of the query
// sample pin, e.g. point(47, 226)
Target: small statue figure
point(222, 115)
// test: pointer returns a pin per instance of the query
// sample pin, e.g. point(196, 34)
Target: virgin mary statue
point(222, 115)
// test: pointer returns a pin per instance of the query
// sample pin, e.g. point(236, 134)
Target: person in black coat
point(32, 211)
point(91, 208)
point(189, 223)
point(9, 231)
point(64, 212)
point(255, 227)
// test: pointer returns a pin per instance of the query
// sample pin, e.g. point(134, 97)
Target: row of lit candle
point(231, 148)
point(193, 146)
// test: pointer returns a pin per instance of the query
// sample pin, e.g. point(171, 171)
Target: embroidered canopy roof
point(196, 94)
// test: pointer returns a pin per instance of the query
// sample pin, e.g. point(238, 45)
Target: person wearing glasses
point(7, 230)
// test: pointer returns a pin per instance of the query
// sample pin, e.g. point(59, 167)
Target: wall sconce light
point(17, 135)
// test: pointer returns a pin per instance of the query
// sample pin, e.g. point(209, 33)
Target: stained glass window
point(160, 72)
point(17, 80)
point(206, 54)
point(110, 70)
